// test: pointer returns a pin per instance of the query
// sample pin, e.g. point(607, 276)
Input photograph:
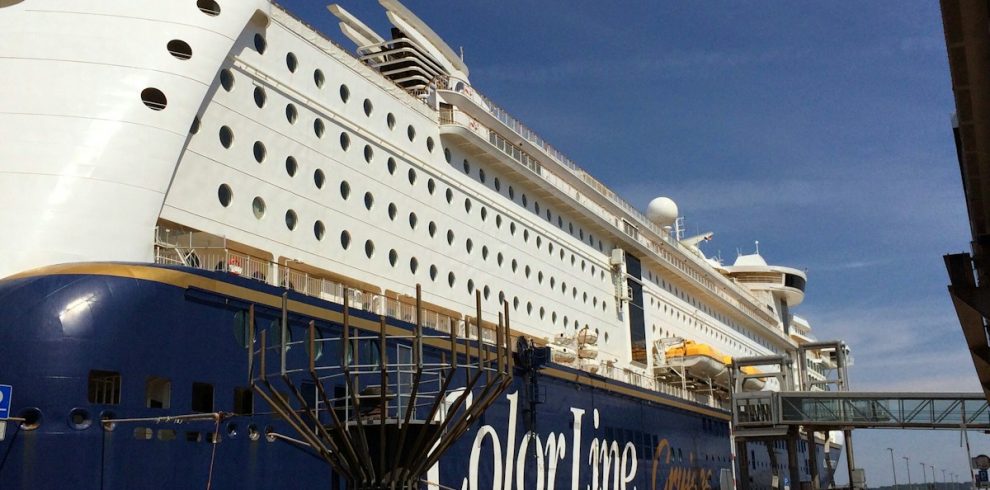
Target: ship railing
point(245, 265)
point(685, 262)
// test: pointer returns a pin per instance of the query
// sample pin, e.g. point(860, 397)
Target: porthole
point(470, 286)
point(225, 195)
point(481, 175)
point(369, 201)
point(393, 257)
point(32, 418)
point(291, 62)
point(413, 265)
point(484, 213)
point(208, 7)
point(484, 252)
point(512, 193)
point(319, 230)
point(432, 229)
point(501, 296)
point(529, 308)
point(543, 312)
point(291, 113)
point(258, 207)
point(536, 209)
point(550, 248)
point(345, 239)
point(413, 220)
point(319, 128)
point(429, 144)
point(345, 189)
point(411, 132)
point(179, 48)
point(450, 237)
point(291, 166)
point(451, 279)
point(368, 107)
point(487, 292)
point(515, 303)
point(450, 196)
point(539, 277)
point(553, 283)
point(468, 245)
point(539, 241)
point(527, 271)
point(253, 433)
point(498, 259)
point(433, 273)
point(390, 120)
point(466, 166)
point(467, 205)
point(154, 99)
point(431, 186)
point(512, 228)
point(526, 236)
point(291, 219)
point(498, 221)
point(498, 184)
point(195, 125)
point(369, 248)
point(79, 419)
point(524, 202)
point(345, 141)
point(226, 79)
point(345, 93)
point(412, 176)
point(390, 164)
point(553, 317)
point(514, 265)
point(259, 151)
point(260, 97)
point(319, 78)
point(368, 153)
point(392, 210)
point(446, 154)
point(260, 45)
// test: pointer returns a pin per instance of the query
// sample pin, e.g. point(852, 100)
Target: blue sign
point(6, 393)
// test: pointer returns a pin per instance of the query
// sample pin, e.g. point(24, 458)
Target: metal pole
point(813, 459)
point(850, 459)
point(907, 465)
point(892, 468)
point(934, 480)
point(923, 474)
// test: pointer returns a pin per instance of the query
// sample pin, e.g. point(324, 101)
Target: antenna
point(462, 52)
point(757, 246)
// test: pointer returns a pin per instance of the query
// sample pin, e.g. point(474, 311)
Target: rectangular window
point(202, 397)
point(104, 387)
point(158, 392)
point(243, 401)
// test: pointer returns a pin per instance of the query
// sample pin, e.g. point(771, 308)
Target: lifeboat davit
point(751, 384)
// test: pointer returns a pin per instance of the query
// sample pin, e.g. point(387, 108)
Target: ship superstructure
point(233, 137)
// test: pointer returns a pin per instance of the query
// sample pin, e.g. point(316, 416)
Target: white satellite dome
point(662, 211)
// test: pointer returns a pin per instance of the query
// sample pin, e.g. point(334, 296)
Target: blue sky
point(820, 129)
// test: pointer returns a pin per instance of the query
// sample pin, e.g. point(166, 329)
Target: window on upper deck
point(157, 392)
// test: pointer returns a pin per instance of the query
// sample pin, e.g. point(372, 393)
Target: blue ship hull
point(164, 323)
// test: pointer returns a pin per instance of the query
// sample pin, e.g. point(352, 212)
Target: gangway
point(826, 410)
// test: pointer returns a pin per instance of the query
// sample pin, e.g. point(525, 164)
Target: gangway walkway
point(842, 410)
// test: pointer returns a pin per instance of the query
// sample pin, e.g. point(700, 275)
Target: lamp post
point(892, 468)
point(943, 475)
point(934, 480)
point(924, 475)
point(907, 466)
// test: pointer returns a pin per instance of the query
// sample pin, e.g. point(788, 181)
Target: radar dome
point(662, 211)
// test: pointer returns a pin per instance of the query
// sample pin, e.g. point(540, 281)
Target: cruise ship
point(224, 233)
